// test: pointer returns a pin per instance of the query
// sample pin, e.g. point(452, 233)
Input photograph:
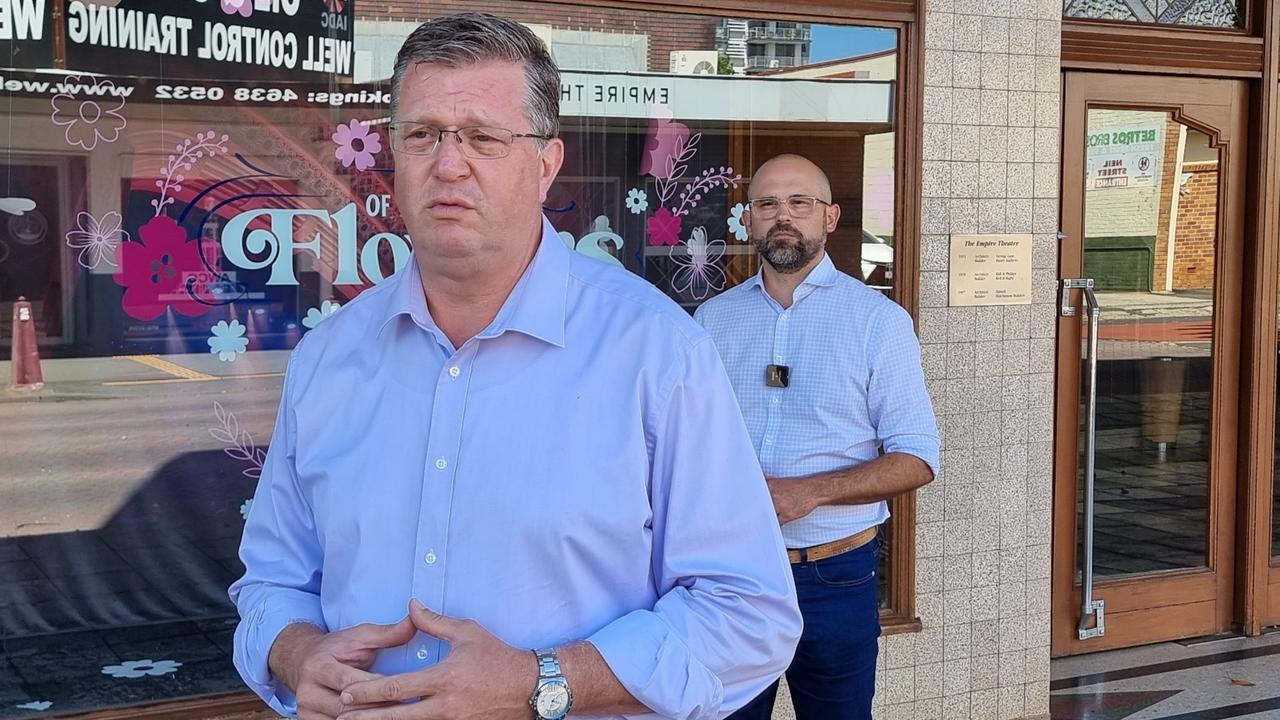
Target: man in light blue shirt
point(828, 375)
point(522, 448)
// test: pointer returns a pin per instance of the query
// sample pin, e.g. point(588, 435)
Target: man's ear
point(832, 217)
point(552, 158)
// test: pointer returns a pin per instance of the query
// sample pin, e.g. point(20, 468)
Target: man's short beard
point(790, 255)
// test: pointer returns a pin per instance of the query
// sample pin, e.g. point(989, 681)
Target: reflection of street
point(77, 450)
point(121, 520)
point(1140, 324)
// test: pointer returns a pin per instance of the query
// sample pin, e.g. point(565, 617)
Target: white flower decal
point(228, 340)
point(245, 507)
point(735, 222)
point(699, 271)
point(96, 239)
point(141, 668)
point(317, 315)
point(38, 705)
point(88, 121)
point(637, 201)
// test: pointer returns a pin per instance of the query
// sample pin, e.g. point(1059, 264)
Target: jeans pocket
point(851, 569)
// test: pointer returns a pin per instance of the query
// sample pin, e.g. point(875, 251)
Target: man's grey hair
point(468, 38)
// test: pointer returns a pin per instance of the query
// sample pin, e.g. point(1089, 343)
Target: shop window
point(179, 226)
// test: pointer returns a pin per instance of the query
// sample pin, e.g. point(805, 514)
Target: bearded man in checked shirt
point(827, 372)
point(536, 455)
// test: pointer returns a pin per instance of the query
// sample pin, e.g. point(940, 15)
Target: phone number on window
point(215, 93)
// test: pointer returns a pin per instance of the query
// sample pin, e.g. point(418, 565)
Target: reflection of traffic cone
point(26, 373)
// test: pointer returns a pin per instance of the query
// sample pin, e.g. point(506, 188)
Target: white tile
point(1049, 38)
point(900, 685)
point(1011, 701)
point(937, 105)
point(967, 33)
point(936, 178)
point(1020, 179)
point(929, 539)
point(994, 108)
point(933, 294)
point(1048, 109)
point(995, 71)
point(1037, 699)
point(1048, 74)
point(967, 72)
point(1046, 149)
point(957, 678)
point(991, 215)
point(962, 324)
point(1013, 668)
point(995, 34)
point(957, 641)
point(990, 319)
point(965, 179)
point(929, 679)
point(1022, 36)
point(1022, 140)
point(1017, 322)
point(994, 142)
point(991, 180)
point(986, 704)
point(957, 607)
point(1016, 356)
point(964, 216)
point(966, 107)
point(939, 30)
point(1046, 180)
point(938, 67)
point(986, 563)
point(935, 219)
point(986, 670)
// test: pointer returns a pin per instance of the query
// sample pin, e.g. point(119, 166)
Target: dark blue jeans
point(833, 676)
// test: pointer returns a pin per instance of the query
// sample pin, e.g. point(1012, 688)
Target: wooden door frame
point(1139, 609)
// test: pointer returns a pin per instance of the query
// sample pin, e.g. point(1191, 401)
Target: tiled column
point(991, 150)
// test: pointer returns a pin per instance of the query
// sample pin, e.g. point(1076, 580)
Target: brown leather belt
point(833, 548)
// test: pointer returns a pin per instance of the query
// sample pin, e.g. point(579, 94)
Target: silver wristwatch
point(552, 699)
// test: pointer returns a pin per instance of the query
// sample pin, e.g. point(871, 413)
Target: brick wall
point(1197, 228)
point(666, 32)
point(1168, 184)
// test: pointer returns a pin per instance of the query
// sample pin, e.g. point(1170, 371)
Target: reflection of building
point(760, 45)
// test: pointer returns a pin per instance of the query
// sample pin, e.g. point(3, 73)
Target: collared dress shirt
point(578, 470)
point(856, 386)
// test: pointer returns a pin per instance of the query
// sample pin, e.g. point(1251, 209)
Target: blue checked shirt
point(856, 387)
point(578, 470)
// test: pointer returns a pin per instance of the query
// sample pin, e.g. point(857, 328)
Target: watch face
point(553, 700)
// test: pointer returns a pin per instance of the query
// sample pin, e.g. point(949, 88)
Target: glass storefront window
point(189, 187)
point(1197, 13)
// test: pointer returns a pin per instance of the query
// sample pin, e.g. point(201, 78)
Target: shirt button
point(442, 464)
point(775, 401)
point(454, 371)
point(430, 558)
point(768, 441)
point(423, 654)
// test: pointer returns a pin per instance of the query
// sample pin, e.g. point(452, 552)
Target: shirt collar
point(535, 307)
point(823, 274)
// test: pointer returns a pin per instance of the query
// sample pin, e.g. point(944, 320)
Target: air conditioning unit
point(694, 62)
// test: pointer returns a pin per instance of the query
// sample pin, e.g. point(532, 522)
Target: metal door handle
point(1089, 607)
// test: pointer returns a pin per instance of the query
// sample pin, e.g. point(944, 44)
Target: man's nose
point(450, 162)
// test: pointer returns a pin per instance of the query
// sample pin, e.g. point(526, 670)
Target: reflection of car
point(877, 260)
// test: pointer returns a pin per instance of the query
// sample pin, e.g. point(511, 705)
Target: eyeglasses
point(798, 206)
point(483, 143)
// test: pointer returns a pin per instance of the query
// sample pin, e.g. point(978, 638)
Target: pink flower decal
point(89, 122)
point(240, 7)
point(356, 144)
point(154, 271)
point(664, 228)
point(664, 145)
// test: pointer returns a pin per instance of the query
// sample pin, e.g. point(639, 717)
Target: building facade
point(190, 187)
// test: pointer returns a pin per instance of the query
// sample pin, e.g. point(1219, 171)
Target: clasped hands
point(482, 676)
